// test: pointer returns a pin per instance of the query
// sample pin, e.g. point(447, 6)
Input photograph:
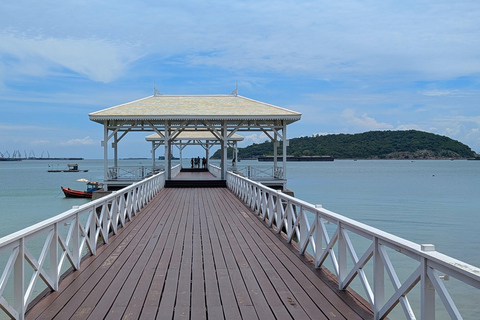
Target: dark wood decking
point(195, 179)
point(197, 253)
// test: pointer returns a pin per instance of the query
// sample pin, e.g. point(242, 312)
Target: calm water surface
point(423, 201)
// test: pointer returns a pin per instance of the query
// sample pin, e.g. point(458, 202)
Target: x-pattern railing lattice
point(294, 217)
point(102, 217)
point(129, 173)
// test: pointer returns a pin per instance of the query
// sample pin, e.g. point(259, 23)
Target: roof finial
point(235, 92)
point(155, 91)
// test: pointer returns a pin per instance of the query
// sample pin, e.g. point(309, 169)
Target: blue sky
point(347, 66)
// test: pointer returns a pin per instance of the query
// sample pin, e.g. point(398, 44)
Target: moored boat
point(71, 168)
point(91, 187)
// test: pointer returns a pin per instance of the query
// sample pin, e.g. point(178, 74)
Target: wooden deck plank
point(167, 303)
point(259, 296)
point(132, 281)
point(182, 303)
point(154, 295)
point(278, 288)
point(99, 301)
point(194, 253)
point(140, 295)
point(240, 291)
point(106, 255)
point(227, 294)
point(311, 285)
point(212, 292)
point(198, 305)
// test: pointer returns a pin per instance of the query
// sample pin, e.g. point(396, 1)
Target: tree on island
point(410, 144)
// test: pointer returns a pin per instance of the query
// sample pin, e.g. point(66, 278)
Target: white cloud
point(364, 121)
point(100, 60)
point(40, 142)
point(409, 127)
point(76, 142)
point(318, 134)
point(254, 138)
point(21, 127)
point(322, 38)
point(437, 93)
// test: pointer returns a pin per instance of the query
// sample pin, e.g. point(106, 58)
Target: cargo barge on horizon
point(304, 158)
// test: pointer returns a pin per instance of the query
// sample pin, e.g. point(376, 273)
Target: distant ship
point(304, 158)
point(163, 158)
point(71, 168)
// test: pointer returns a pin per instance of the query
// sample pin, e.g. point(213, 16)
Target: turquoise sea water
point(425, 201)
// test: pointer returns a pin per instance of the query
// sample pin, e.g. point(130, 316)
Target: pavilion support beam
point(275, 150)
point(168, 167)
point(235, 155)
point(180, 148)
point(224, 146)
point(153, 156)
point(105, 151)
point(115, 150)
point(284, 145)
point(207, 151)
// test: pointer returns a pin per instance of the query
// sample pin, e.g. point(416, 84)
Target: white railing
point(328, 235)
point(259, 173)
point(216, 171)
point(176, 170)
point(62, 241)
point(132, 173)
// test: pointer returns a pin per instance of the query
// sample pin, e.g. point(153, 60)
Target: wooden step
point(195, 183)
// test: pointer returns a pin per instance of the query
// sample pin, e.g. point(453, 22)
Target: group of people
point(195, 162)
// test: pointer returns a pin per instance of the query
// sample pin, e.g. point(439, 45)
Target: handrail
point(176, 170)
point(132, 172)
point(215, 170)
point(70, 236)
point(291, 215)
point(256, 172)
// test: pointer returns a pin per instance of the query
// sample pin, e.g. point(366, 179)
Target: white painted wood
point(57, 249)
point(293, 214)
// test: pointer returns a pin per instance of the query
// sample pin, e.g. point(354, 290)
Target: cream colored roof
point(194, 135)
point(196, 107)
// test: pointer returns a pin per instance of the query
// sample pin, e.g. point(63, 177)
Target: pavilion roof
point(195, 107)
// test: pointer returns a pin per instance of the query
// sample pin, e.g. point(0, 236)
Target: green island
point(409, 144)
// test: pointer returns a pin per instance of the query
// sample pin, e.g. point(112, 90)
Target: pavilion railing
point(132, 172)
point(37, 256)
point(259, 173)
point(328, 236)
point(216, 171)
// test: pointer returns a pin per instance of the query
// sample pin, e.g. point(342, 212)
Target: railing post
point(19, 280)
point(318, 236)
point(76, 242)
point(378, 279)
point(427, 288)
point(342, 257)
point(54, 272)
point(92, 228)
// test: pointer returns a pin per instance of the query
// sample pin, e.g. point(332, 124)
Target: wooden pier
point(198, 253)
point(149, 251)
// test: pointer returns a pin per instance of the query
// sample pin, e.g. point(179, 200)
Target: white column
point(207, 151)
point(235, 148)
point(168, 168)
point(115, 150)
point(275, 150)
point(180, 147)
point(153, 156)
point(285, 143)
point(224, 146)
point(105, 151)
